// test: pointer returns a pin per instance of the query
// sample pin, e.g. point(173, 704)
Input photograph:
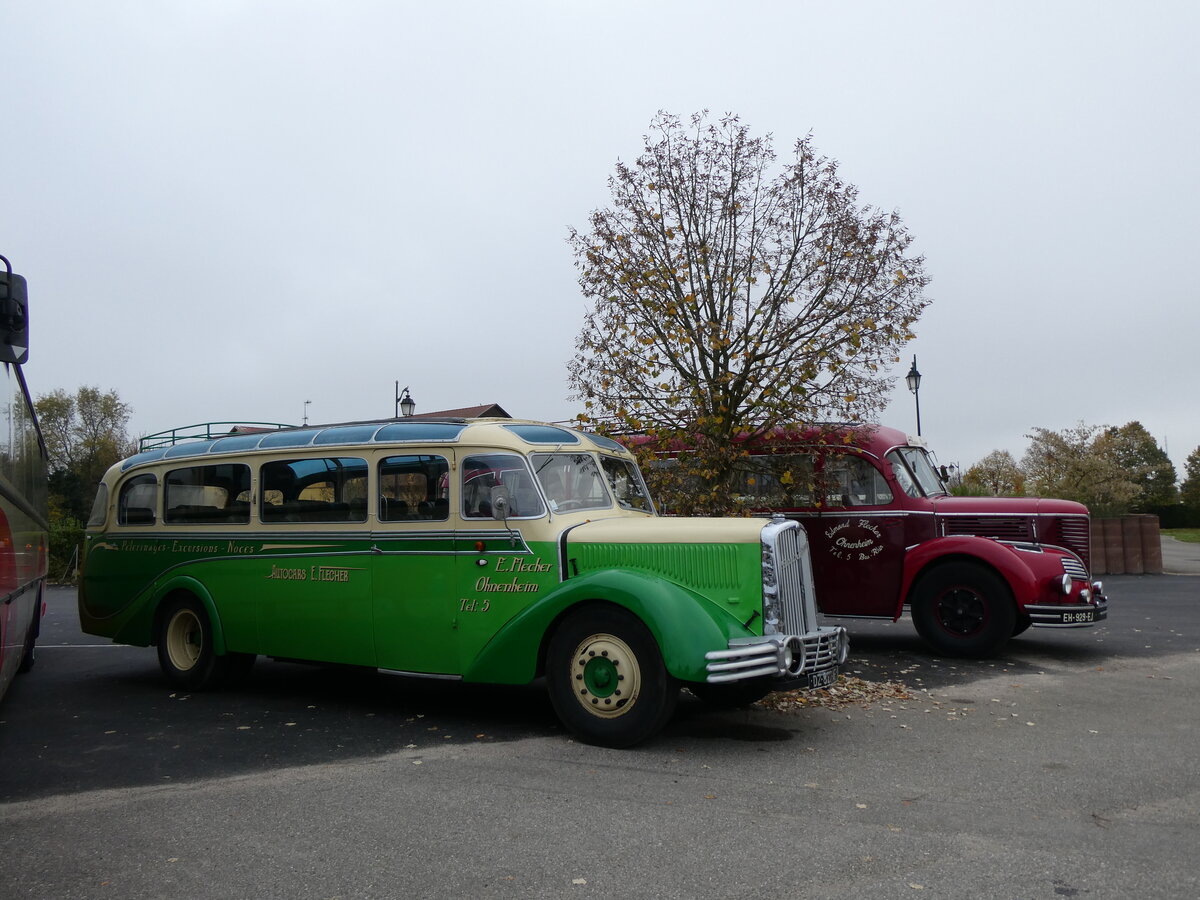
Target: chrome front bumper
point(1067, 615)
point(778, 655)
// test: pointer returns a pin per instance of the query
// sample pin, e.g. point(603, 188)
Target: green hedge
point(66, 539)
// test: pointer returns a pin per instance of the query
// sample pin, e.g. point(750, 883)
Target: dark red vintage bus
point(886, 535)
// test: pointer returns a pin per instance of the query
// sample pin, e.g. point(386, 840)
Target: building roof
point(487, 411)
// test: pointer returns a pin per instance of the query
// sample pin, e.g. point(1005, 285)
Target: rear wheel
point(29, 653)
point(185, 648)
point(963, 609)
point(606, 678)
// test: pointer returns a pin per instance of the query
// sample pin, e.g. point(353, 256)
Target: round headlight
point(795, 649)
point(1066, 583)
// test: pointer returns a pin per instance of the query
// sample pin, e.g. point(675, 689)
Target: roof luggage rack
point(205, 431)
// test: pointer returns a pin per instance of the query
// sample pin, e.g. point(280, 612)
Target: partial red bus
point(23, 519)
point(886, 535)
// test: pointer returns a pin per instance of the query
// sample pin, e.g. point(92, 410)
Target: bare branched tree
point(730, 297)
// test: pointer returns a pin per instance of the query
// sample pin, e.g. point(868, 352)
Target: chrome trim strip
point(760, 657)
point(432, 675)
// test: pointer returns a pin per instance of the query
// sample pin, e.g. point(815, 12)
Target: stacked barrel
point(1129, 545)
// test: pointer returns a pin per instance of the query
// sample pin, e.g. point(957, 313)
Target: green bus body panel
point(726, 574)
point(685, 625)
point(135, 626)
point(434, 604)
point(303, 598)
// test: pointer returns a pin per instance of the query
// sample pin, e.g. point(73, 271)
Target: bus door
point(856, 537)
point(500, 573)
point(315, 600)
point(415, 548)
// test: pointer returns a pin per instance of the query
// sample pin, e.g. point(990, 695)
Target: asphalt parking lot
point(1066, 767)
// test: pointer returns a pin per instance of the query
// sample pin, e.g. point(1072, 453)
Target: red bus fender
point(1004, 560)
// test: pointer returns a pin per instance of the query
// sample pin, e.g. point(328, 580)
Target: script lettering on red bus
point(855, 541)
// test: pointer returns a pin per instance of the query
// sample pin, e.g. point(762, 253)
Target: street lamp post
point(405, 404)
point(913, 378)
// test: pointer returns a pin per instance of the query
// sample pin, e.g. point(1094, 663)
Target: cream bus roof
point(501, 433)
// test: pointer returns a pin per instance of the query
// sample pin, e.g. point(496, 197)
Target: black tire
point(185, 648)
point(606, 678)
point(1022, 625)
point(732, 695)
point(29, 654)
point(963, 609)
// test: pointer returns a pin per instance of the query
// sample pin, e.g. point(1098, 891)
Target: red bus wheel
point(963, 609)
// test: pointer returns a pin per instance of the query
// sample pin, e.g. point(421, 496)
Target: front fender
point(684, 623)
point(139, 631)
point(1007, 561)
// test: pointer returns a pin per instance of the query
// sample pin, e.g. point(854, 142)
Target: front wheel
point(964, 609)
point(606, 678)
point(185, 649)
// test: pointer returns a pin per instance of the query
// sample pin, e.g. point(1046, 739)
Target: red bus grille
point(1003, 528)
point(1076, 536)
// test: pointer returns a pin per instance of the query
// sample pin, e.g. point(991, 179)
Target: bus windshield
point(626, 483)
point(571, 481)
point(923, 470)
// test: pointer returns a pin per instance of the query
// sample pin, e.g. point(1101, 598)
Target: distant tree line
point(1112, 470)
point(85, 433)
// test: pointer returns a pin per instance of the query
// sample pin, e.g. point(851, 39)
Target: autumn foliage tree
point(1189, 491)
point(1075, 464)
point(997, 474)
point(1146, 463)
point(85, 433)
point(730, 296)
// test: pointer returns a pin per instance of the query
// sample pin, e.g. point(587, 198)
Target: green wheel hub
point(606, 675)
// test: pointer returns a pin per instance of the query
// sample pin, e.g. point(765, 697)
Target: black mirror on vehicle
point(14, 317)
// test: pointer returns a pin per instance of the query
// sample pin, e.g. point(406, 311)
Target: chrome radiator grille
point(1074, 568)
point(786, 572)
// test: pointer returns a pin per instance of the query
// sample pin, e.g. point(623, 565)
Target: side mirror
point(14, 317)
point(501, 503)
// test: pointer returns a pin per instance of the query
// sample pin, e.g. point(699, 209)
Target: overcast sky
point(225, 209)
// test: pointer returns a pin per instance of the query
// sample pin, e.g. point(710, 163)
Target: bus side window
point(207, 495)
point(855, 482)
point(320, 489)
point(779, 480)
point(138, 501)
point(410, 488)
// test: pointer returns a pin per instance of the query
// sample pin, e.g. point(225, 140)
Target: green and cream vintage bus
point(485, 550)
